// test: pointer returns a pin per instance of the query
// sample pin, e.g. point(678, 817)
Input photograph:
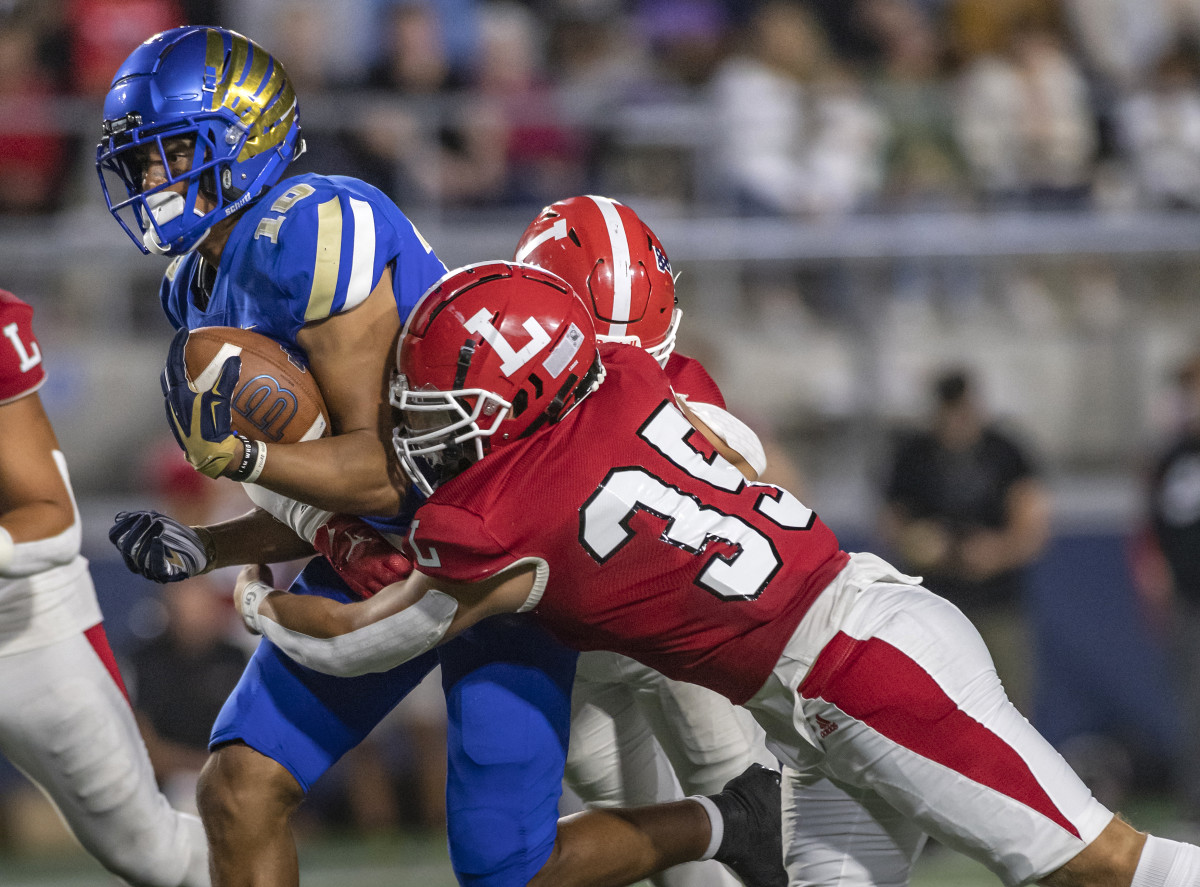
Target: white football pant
point(66, 724)
point(640, 738)
point(899, 712)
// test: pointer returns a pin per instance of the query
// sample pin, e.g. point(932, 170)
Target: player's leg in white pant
point(907, 704)
point(613, 759)
point(66, 724)
point(707, 739)
point(838, 837)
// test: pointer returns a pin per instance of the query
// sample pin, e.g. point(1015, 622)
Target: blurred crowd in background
point(858, 105)
point(823, 113)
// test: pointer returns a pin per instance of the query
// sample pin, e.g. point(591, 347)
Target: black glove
point(159, 548)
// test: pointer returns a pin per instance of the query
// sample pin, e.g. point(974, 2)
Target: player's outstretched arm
point(402, 621)
point(365, 559)
point(38, 525)
point(164, 550)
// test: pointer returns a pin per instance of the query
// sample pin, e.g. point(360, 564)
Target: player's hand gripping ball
point(226, 387)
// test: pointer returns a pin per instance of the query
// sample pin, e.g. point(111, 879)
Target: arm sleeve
point(304, 520)
point(377, 647)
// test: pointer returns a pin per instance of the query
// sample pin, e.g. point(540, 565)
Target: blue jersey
point(311, 247)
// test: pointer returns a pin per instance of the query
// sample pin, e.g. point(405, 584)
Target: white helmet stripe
point(622, 273)
point(557, 231)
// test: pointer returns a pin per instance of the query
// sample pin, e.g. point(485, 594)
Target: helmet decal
point(252, 85)
point(492, 353)
point(622, 282)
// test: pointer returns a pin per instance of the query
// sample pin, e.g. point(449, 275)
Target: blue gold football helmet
point(206, 84)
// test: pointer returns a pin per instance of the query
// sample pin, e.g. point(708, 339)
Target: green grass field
point(420, 861)
point(404, 861)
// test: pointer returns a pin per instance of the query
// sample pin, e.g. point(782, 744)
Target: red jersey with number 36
point(21, 369)
point(655, 546)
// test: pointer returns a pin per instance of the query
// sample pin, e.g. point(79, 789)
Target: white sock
point(1166, 863)
point(716, 821)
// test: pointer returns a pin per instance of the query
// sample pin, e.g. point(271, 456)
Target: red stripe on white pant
point(876, 683)
point(99, 641)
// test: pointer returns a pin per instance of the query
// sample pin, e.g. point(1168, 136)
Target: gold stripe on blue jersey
point(327, 261)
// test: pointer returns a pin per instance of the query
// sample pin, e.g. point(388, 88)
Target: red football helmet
point(491, 353)
point(614, 261)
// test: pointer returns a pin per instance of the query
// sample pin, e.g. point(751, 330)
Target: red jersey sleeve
point(689, 378)
point(454, 543)
point(21, 370)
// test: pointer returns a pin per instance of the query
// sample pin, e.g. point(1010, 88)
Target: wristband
point(260, 459)
point(715, 820)
point(254, 457)
point(253, 594)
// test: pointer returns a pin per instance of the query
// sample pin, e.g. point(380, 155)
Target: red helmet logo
point(492, 353)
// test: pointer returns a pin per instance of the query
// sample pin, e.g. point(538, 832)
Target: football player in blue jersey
point(199, 125)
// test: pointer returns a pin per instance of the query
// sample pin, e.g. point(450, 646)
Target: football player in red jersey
point(650, 543)
point(623, 711)
point(65, 720)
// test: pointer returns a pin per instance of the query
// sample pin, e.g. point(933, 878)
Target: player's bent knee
point(242, 792)
point(1109, 861)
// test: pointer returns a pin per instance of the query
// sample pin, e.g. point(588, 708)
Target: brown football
point(276, 399)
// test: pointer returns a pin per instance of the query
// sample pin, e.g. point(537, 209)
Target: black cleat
point(752, 845)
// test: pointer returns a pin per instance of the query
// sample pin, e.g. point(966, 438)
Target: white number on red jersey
point(604, 526)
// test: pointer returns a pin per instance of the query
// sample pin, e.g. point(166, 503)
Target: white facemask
point(165, 206)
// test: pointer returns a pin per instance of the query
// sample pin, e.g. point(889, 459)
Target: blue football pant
point(508, 702)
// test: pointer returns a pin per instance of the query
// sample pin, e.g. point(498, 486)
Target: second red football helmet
point(616, 264)
point(491, 353)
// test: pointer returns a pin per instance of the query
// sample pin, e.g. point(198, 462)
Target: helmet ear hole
point(519, 403)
